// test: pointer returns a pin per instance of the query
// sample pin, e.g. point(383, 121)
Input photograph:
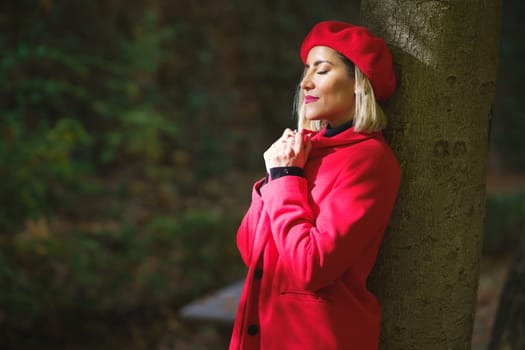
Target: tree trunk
point(426, 277)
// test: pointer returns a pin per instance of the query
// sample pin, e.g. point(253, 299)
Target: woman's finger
point(289, 151)
point(287, 134)
point(298, 143)
point(308, 146)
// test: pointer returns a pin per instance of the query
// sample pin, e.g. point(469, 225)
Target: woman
point(314, 227)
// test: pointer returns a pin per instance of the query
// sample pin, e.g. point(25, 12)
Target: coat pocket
point(303, 295)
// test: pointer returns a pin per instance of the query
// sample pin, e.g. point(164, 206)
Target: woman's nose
point(307, 83)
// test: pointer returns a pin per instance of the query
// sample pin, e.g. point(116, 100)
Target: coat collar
point(321, 144)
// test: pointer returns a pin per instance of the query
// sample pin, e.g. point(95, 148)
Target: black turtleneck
point(334, 131)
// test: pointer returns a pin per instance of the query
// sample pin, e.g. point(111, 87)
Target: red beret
point(364, 49)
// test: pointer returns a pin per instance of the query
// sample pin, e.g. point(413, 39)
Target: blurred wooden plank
point(220, 306)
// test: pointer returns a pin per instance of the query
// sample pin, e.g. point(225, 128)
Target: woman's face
point(327, 87)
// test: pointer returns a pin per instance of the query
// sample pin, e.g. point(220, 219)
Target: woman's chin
point(313, 117)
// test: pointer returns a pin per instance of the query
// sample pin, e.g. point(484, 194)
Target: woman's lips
point(309, 99)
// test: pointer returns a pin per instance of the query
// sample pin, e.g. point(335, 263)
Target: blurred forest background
point(130, 135)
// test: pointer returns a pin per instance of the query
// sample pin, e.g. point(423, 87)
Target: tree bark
point(426, 277)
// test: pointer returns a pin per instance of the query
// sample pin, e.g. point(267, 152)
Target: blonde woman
point(314, 227)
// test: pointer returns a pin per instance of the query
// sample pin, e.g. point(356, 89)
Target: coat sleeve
point(246, 231)
point(351, 219)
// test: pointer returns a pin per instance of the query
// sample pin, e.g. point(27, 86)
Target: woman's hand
point(289, 150)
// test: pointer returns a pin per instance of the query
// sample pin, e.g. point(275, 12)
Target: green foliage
point(169, 260)
point(36, 166)
point(509, 112)
point(69, 111)
point(140, 137)
point(505, 222)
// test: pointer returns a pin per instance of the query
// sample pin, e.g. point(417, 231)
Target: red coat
point(310, 243)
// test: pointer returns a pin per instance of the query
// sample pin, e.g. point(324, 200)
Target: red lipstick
point(308, 99)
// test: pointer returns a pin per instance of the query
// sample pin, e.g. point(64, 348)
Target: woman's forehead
point(318, 53)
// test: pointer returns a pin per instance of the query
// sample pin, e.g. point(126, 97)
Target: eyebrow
point(316, 63)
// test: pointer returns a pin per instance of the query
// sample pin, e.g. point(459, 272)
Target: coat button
point(253, 329)
point(257, 274)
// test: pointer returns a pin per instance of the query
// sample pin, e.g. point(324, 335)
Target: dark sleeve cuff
point(266, 179)
point(278, 172)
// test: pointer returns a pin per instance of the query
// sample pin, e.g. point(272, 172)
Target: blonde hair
point(368, 116)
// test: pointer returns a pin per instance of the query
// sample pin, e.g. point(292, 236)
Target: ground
point(491, 281)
